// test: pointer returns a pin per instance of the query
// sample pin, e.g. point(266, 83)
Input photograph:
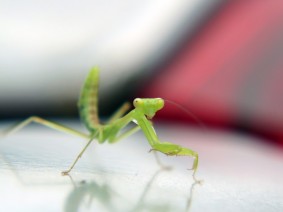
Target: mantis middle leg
point(120, 112)
point(115, 139)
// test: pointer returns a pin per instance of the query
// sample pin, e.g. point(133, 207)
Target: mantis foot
point(64, 173)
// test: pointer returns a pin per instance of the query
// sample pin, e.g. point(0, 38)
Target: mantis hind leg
point(46, 123)
point(170, 149)
point(55, 126)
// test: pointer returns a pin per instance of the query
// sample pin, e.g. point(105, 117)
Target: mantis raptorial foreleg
point(50, 124)
point(176, 150)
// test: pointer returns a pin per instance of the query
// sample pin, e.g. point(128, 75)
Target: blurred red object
point(230, 73)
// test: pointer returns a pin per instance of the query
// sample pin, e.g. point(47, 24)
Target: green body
point(88, 109)
point(144, 110)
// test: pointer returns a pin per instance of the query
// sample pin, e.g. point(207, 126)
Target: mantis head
point(148, 106)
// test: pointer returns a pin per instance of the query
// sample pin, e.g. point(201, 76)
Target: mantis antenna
point(188, 112)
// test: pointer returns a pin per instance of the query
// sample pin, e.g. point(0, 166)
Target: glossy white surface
point(240, 173)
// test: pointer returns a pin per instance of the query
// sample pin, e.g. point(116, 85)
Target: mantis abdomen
point(88, 101)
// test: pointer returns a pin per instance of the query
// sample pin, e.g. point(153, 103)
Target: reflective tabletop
point(238, 172)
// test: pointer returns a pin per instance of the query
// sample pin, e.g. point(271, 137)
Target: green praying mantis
point(144, 110)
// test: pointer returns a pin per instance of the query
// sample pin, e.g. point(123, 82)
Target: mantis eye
point(160, 103)
point(137, 102)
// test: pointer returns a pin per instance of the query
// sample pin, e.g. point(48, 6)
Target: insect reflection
point(84, 194)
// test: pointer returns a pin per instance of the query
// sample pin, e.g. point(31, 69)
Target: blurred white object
point(47, 48)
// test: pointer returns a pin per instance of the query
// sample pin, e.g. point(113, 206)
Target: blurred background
point(221, 60)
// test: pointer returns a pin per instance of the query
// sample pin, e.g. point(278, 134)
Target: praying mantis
point(144, 110)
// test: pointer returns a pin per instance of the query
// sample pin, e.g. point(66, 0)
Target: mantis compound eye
point(137, 102)
point(160, 103)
